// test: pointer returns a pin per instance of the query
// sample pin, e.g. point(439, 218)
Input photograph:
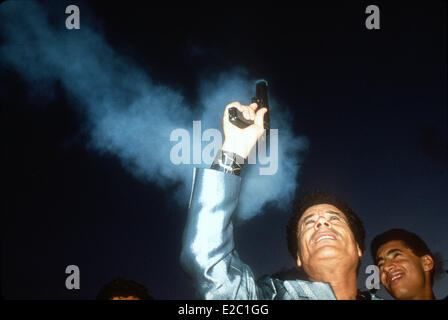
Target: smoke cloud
point(128, 114)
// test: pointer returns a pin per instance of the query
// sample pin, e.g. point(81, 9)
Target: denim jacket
point(208, 254)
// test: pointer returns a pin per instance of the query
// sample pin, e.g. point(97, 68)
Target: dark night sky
point(371, 103)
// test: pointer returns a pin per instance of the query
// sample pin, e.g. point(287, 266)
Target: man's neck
point(344, 284)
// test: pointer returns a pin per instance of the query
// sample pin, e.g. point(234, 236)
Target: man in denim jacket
point(324, 236)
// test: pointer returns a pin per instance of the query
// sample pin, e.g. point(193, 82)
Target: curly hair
point(411, 241)
point(308, 199)
point(122, 287)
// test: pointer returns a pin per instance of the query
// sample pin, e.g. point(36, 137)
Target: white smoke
point(130, 116)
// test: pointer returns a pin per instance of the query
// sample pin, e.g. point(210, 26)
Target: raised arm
point(208, 253)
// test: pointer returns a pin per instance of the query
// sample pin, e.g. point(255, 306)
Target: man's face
point(325, 237)
point(402, 272)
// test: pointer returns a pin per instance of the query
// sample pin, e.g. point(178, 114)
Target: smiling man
point(406, 264)
point(325, 237)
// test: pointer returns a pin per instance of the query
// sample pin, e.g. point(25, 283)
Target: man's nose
point(321, 221)
point(388, 266)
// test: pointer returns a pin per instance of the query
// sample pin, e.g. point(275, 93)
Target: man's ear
point(359, 251)
point(299, 262)
point(427, 262)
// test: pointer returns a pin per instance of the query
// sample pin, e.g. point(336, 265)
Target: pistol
point(261, 99)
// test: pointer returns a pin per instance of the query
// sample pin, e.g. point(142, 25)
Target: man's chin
point(328, 251)
point(399, 294)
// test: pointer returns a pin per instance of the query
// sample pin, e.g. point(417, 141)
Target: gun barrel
point(261, 93)
point(261, 97)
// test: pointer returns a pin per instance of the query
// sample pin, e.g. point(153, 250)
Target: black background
point(371, 102)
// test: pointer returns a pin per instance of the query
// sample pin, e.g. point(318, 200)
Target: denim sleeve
point(208, 253)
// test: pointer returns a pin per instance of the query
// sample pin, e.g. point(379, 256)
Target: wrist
point(228, 162)
point(237, 147)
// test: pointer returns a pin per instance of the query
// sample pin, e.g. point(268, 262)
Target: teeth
point(325, 237)
point(396, 277)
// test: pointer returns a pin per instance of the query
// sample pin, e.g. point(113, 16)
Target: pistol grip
point(236, 117)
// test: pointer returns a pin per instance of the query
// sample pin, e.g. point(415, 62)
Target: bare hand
point(241, 141)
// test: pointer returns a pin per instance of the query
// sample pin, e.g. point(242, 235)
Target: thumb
point(259, 117)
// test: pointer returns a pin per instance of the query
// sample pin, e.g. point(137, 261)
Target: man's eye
point(309, 221)
point(334, 218)
point(396, 255)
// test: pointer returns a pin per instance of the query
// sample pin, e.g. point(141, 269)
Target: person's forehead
point(321, 208)
point(391, 245)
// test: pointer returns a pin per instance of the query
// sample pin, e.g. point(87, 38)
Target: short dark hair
point(409, 239)
point(308, 199)
point(122, 287)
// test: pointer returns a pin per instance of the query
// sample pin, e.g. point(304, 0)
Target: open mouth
point(394, 277)
point(324, 236)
